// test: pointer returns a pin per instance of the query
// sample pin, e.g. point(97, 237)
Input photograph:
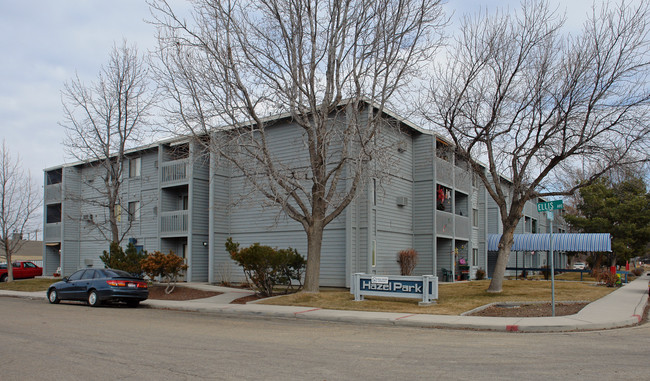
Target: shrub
point(637, 271)
point(546, 272)
point(224, 274)
point(128, 260)
point(407, 260)
point(167, 266)
point(267, 267)
point(609, 279)
point(524, 274)
point(480, 274)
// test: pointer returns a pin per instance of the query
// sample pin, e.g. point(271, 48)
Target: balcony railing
point(53, 232)
point(175, 222)
point(175, 171)
point(53, 193)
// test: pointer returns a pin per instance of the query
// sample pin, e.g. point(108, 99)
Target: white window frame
point(134, 211)
point(135, 167)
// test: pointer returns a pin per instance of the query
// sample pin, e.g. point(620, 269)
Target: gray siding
point(71, 209)
point(424, 203)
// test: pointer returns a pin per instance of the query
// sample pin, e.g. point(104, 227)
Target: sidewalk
point(623, 307)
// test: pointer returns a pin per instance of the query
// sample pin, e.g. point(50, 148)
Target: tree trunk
point(10, 267)
point(505, 244)
point(112, 217)
point(314, 243)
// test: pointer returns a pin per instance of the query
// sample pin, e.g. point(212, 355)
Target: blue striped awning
point(587, 242)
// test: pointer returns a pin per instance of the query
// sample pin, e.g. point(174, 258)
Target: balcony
point(174, 223)
point(175, 172)
point(444, 223)
point(53, 232)
point(53, 193)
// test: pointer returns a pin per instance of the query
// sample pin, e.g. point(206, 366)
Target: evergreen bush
point(267, 267)
point(128, 260)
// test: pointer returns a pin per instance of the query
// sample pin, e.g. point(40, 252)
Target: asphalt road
point(75, 342)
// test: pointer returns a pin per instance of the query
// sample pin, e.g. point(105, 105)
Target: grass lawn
point(35, 284)
point(454, 298)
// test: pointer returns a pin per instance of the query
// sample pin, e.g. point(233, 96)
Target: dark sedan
point(96, 286)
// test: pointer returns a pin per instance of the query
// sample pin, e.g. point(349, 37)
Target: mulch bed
point(179, 293)
point(531, 310)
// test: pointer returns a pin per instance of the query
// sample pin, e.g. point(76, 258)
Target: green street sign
point(551, 205)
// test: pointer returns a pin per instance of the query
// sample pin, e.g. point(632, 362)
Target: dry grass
point(30, 285)
point(453, 299)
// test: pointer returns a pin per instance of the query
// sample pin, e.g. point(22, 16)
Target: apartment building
point(178, 197)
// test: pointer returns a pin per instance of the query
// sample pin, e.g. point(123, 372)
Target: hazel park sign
point(419, 287)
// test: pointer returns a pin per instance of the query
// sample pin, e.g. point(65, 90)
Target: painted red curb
point(302, 312)
point(638, 317)
point(404, 317)
point(512, 328)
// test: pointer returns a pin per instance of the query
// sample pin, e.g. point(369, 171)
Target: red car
point(21, 270)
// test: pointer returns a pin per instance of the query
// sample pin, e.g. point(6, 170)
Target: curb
point(635, 301)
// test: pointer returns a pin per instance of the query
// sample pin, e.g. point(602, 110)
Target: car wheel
point(133, 303)
point(3, 278)
point(93, 299)
point(53, 296)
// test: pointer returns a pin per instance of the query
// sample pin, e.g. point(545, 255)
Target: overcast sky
point(43, 43)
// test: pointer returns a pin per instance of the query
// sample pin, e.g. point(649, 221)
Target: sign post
point(549, 207)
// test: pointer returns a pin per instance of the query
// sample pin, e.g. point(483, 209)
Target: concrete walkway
point(623, 307)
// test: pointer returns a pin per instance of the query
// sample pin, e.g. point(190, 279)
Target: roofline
point(126, 152)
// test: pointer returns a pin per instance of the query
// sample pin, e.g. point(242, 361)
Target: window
point(474, 257)
point(134, 211)
point(534, 227)
point(77, 275)
point(135, 167)
point(89, 274)
point(475, 218)
point(374, 253)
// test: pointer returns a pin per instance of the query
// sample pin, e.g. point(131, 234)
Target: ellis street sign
point(551, 205)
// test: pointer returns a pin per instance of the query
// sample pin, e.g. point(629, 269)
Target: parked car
point(21, 270)
point(579, 266)
point(96, 286)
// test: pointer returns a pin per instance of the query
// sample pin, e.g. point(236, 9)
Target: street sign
point(550, 205)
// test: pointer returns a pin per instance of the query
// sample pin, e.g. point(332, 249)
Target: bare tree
point(536, 104)
point(319, 64)
point(20, 202)
point(103, 120)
